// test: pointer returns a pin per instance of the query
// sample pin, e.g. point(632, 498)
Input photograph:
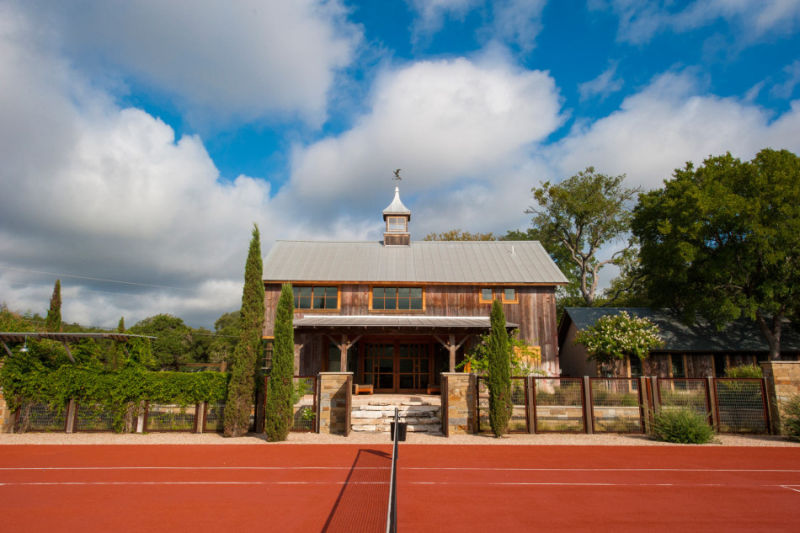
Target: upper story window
point(397, 298)
point(316, 297)
point(507, 294)
point(396, 224)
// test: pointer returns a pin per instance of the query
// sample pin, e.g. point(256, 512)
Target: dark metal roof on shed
point(741, 336)
point(471, 262)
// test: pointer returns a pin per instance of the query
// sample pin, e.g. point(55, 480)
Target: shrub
point(499, 379)
point(792, 423)
point(683, 426)
point(744, 371)
point(279, 413)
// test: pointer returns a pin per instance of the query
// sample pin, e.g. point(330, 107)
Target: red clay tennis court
point(440, 488)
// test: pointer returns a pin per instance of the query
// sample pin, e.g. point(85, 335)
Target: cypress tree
point(499, 372)
point(53, 320)
point(241, 386)
point(279, 416)
point(121, 325)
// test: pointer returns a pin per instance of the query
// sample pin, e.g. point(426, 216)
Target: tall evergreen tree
point(499, 372)
point(279, 392)
point(244, 373)
point(53, 320)
point(121, 325)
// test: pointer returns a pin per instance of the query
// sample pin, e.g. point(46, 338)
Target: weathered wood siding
point(535, 312)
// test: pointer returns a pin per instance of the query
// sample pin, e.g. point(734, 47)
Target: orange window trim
point(322, 311)
point(396, 311)
point(480, 295)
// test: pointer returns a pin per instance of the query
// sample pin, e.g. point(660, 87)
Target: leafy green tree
point(574, 219)
point(459, 235)
point(499, 378)
point(614, 337)
point(53, 320)
point(244, 363)
point(279, 415)
point(171, 348)
point(226, 333)
point(723, 241)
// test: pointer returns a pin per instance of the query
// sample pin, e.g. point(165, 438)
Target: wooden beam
point(69, 353)
point(8, 350)
point(452, 347)
point(441, 341)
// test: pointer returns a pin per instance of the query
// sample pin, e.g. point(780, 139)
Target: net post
point(391, 515)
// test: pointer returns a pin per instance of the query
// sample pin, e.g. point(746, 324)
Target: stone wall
point(335, 390)
point(459, 398)
point(783, 382)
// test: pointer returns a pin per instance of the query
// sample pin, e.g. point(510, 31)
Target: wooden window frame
point(481, 300)
point(396, 311)
point(396, 220)
point(516, 295)
point(320, 310)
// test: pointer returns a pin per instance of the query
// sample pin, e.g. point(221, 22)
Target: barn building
point(397, 312)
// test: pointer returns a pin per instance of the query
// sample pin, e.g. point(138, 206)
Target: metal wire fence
point(558, 405)
point(41, 417)
point(684, 393)
point(305, 403)
point(518, 423)
point(170, 417)
point(93, 417)
point(616, 405)
point(214, 417)
point(741, 405)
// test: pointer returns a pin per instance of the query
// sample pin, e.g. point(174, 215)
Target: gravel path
point(377, 438)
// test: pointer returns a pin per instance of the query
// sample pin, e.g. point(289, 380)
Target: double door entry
point(396, 366)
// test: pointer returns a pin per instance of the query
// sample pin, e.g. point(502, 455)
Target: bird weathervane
point(397, 175)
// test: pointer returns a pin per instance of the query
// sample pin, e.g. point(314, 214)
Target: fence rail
point(558, 405)
point(539, 405)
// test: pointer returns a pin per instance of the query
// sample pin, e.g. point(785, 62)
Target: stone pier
point(460, 397)
point(335, 391)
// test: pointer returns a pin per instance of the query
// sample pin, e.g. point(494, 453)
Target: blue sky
point(142, 139)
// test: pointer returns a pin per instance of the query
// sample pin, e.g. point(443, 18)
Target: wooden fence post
point(588, 409)
point(70, 417)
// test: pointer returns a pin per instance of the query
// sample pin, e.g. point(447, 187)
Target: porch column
point(343, 346)
point(452, 347)
point(343, 354)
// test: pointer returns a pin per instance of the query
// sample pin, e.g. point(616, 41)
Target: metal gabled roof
point(471, 262)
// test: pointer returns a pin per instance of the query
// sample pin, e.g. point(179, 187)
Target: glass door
point(413, 365)
point(379, 366)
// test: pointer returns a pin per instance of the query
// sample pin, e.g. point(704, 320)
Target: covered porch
point(399, 354)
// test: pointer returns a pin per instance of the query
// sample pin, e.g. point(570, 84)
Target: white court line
point(434, 483)
point(432, 468)
point(72, 483)
point(56, 468)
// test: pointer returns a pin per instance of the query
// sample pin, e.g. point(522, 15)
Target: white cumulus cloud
point(237, 60)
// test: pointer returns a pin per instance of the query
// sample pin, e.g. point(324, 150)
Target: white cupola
point(396, 216)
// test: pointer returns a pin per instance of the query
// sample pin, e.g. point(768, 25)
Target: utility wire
point(89, 278)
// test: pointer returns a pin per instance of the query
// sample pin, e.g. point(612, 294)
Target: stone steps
point(376, 417)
